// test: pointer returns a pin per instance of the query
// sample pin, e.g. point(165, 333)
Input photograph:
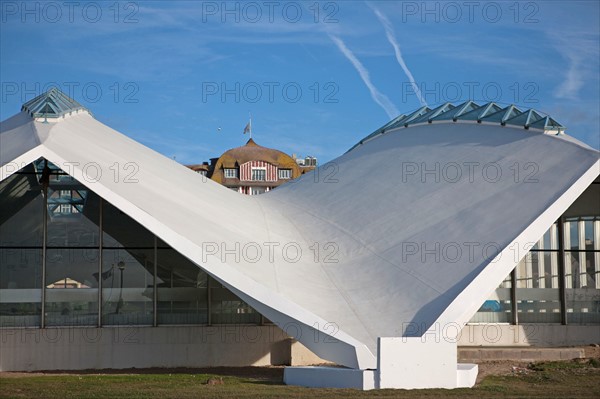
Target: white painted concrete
point(466, 375)
point(416, 362)
point(403, 363)
point(389, 271)
point(335, 296)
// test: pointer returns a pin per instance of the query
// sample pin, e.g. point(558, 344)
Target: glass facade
point(77, 260)
point(21, 249)
point(498, 308)
point(227, 308)
point(182, 289)
point(72, 217)
point(558, 280)
point(538, 289)
point(20, 287)
point(582, 269)
point(71, 287)
point(69, 258)
point(127, 287)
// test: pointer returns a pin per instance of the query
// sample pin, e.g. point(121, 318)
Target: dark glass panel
point(72, 287)
point(182, 290)
point(127, 287)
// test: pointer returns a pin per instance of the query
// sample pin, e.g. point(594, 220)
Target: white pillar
point(567, 260)
point(582, 257)
point(528, 271)
point(554, 255)
point(541, 283)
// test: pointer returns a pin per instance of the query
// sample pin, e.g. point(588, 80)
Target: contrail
point(389, 32)
point(379, 98)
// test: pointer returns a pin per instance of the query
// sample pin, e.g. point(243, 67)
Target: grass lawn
point(551, 379)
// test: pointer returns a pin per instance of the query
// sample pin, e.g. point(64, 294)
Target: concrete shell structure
point(351, 256)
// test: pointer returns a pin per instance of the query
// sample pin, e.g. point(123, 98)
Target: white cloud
point(389, 32)
point(381, 99)
point(581, 53)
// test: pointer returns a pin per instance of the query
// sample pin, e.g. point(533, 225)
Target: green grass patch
point(594, 362)
point(562, 365)
point(547, 379)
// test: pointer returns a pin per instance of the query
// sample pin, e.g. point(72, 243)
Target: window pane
point(127, 287)
point(20, 287)
point(227, 308)
point(21, 213)
point(572, 233)
point(21, 225)
point(122, 231)
point(538, 296)
point(497, 308)
point(182, 290)
point(71, 287)
point(230, 173)
point(583, 295)
point(582, 270)
point(285, 173)
point(259, 174)
point(73, 212)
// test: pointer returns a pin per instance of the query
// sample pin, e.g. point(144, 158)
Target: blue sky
point(183, 76)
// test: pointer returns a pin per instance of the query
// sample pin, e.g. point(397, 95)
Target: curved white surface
point(365, 212)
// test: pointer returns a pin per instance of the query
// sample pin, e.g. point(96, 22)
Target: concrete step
point(482, 354)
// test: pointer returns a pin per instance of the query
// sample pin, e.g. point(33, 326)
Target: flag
point(247, 128)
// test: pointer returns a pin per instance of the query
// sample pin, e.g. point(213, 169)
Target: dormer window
point(230, 173)
point(259, 174)
point(285, 174)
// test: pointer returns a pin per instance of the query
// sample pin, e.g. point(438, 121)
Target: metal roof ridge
point(469, 111)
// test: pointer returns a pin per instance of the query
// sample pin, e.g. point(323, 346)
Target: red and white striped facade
point(246, 170)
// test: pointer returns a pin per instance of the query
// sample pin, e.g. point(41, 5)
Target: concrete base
point(300, 355)
point(418, 363)
point(402, 363)
point(33, 349)
point(466, 375)
point(329, 377)
point(519, 354)
point(540, 335)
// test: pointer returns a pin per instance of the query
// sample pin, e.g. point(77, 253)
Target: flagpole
point(248, 127)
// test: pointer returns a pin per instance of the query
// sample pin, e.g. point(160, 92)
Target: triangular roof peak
point(52, 104)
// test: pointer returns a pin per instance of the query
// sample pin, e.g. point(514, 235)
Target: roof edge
point(521, 119)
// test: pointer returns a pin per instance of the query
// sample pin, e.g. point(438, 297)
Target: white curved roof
point(364, 211)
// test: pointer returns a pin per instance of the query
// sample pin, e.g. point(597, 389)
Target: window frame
point(228, 175)
point(258, 169)
point(288, 174)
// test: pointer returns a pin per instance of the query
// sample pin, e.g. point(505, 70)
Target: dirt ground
point(509, 367)
point(592, 351)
